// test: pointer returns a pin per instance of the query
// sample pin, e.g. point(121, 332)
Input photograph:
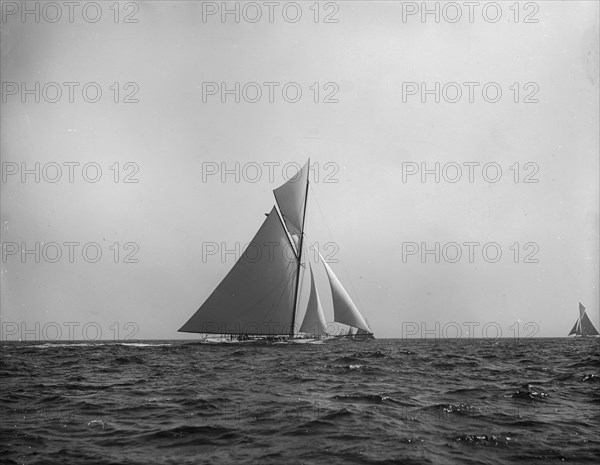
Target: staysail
point(257, 295)
point(576, 329)
point(583, 325)
point(291, 198)
point(314, 319)
point(344, 310)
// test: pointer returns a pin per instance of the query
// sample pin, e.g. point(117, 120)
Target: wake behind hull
point(262, 340)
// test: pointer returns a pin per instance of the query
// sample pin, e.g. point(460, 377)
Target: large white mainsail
point(314, 319)
point(257, 295)
point(344, 310)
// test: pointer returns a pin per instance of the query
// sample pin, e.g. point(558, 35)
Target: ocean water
point(376, 402)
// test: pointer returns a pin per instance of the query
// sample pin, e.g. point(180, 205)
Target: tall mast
point(300, 255)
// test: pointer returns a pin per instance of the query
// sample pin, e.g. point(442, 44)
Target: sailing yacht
point(258, 299)
point(583, 326)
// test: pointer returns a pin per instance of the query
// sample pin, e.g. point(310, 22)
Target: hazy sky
point(367, 141)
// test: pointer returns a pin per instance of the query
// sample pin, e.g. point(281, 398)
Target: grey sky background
point(368, 134)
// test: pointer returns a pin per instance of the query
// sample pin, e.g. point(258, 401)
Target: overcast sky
point(370, 137)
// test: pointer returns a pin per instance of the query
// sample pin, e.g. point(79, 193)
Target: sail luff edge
point(294, 310)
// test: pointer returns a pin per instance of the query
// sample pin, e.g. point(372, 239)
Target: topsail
point(291, 198)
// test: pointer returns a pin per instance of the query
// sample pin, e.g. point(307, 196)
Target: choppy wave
point(374, 402)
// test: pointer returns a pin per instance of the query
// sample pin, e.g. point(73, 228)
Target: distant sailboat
point(583, 326)
point(259, 297)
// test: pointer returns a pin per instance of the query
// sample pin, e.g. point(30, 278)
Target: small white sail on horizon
point(583, 325)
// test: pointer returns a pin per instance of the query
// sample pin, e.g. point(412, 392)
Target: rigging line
point(281, 288)
point(300, 245)
point(288, 234)
point(316, 260)
point(286, 282)
point(362, 308)
point(302, 273)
